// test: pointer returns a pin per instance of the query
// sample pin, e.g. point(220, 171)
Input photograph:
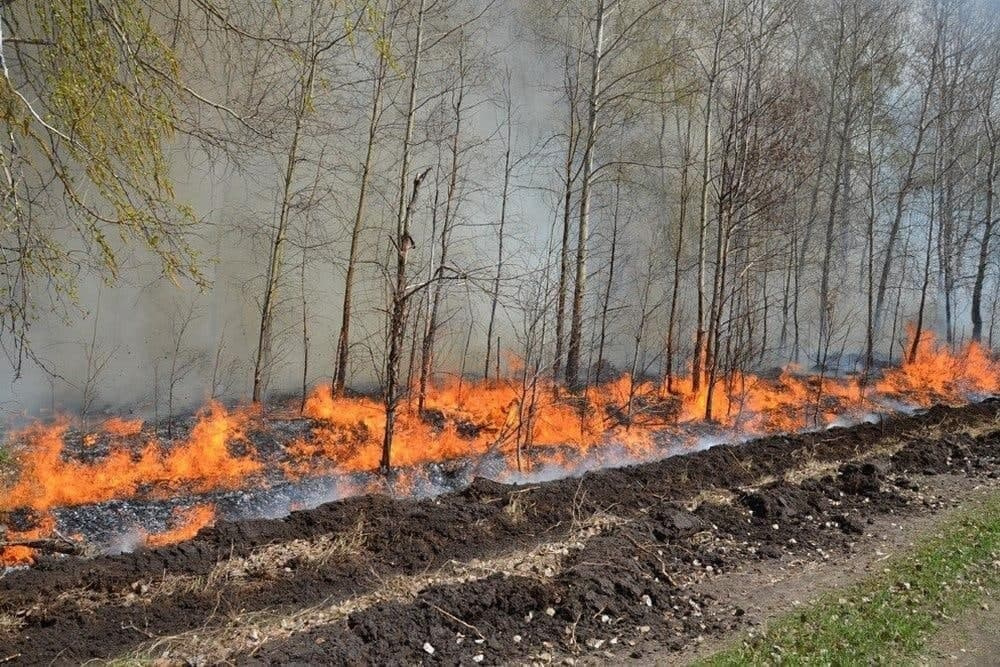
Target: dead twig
point(457, 620)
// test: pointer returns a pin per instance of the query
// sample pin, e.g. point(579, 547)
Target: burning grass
point(545, 428)
point(202, 462)
point(188, 522)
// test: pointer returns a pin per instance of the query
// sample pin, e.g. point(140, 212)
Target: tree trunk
point(344, 337)
point(278, 245)
point(403, 242)
point(679, 247)
point(697, 357)
point(984, 242)
point(450, 211)
point(907, 183)
point(572, 85)
point(580, 284)
point(495, 296)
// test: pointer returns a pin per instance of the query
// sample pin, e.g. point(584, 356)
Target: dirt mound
point(635, 570)
point(638, 577)
point(953, 452)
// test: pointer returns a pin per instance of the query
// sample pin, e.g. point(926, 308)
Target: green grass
point(889, 618)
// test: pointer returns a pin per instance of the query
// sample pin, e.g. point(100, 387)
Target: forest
point(385, 194)
point(499, 331)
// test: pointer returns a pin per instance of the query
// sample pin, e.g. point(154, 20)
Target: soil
point(972, 640)
point(619, 563)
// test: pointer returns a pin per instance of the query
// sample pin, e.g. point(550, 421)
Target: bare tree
point(586, 185)
point(508, 168)
point(374, 124)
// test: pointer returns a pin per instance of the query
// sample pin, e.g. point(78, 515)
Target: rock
point(849, 525)
point(673, 523)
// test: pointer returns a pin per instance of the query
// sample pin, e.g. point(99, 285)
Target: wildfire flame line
point(462, 420)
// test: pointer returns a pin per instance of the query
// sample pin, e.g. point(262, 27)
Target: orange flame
point(202, 462)
point(188, 522)
point(939, 375)
point(12, 556)
point(122, 428)
point(540, 423)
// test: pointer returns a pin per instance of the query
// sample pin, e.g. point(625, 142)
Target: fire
point(939, 375)
point(201, 463)
point(122, 428)
point(462, 420)
point(187, 523)
point(12, 556)
point(522, 424)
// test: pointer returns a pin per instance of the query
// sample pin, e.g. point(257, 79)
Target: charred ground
point(575, 566)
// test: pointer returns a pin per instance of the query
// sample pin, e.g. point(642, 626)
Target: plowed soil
point(605, 566)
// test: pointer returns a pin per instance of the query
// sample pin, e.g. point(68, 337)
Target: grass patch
point(889, 617)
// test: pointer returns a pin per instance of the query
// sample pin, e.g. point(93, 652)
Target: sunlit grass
point(890, 617)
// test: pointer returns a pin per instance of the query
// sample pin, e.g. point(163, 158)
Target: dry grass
point(266, 563)
point(813, 470)
point(314, 553)
point(986, 428)
point(10, 624)
point(242, 634)
point(517, 507)
point(712, 497)
point(263, 564)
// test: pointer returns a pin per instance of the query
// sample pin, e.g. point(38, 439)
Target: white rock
point(428, 648)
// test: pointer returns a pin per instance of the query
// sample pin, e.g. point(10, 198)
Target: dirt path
point(619, 564)
point(771, 590)
point(972, 640)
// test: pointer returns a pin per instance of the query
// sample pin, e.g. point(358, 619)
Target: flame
point(122, 428)
point(522, 423)
point(462, 420)
point(939, 375)
point(187, 522)
point(13, 556)
point(202, 462)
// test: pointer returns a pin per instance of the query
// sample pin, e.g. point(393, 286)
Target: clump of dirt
point(637, 578)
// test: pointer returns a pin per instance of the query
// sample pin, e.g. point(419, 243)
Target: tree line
point(499, 189)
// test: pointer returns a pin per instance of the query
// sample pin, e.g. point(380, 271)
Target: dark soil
point(637, 577)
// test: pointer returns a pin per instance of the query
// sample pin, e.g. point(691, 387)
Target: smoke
point(143, 343)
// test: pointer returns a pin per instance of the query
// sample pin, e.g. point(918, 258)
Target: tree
point(375, 121)
point(402, 244)
point(83, 155)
